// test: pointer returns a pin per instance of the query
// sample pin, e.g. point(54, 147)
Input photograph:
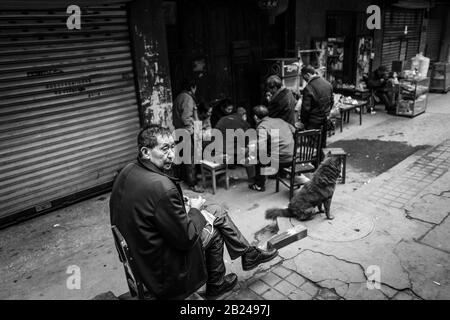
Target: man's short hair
point(187, 84)
point(261, 111)
point(148, 137)
point(226, 102)
point(202, 110)
point(274, 82)
point(241, 111)
point(308, 70)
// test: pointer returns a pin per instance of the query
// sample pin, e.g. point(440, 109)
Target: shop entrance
point(345, 30)
point(220, 44)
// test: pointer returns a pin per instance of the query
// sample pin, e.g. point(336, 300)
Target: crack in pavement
point(406, 271)
point(435, 225)
point(363, 271)
point(408, 216)
point(437, 195)
point(359, 265)
point(430, 246)
point(317, 283)
point(310, 280)
point(355, 282)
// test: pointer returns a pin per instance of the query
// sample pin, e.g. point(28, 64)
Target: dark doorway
point(342, 25)
point(350, 25)
point(220, 44)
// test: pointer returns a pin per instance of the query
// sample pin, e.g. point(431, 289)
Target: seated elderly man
point(285, 140)
point(175, 251)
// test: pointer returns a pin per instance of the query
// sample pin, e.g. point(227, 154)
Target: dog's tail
point(273, 213)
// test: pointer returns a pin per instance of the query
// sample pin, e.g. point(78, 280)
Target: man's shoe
point(214, 291)
point(256, 187)
point(197, 189)
point(254, 257)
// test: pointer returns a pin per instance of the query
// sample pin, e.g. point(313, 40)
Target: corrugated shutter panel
point(434, 31)
point(395, 21)
point(412, 50)
point(391, 52)
point(68, 109)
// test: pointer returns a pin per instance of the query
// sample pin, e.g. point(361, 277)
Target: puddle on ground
point(375, 156)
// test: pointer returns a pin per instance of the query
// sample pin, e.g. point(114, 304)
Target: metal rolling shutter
point(391, 52)
point(395, 21)
point(68, 109)
point(434, 31)
point(412, 49)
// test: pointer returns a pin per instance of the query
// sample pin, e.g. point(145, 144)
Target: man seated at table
point(224, 108)
point(233, 122)
point(378, 82)
point(265, 127)
point(177, 243)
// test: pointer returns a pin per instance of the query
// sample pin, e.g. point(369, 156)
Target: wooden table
point(357, 94)
point(345, 111)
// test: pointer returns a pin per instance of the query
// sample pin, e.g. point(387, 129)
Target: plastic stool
point(214, 169)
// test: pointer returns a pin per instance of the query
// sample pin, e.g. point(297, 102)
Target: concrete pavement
point(386, 224)
point(397, 221)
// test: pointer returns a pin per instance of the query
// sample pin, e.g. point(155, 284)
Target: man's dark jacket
point(376, 82)
point(147, 207)
point(233, 122)
point(317, 102)
point(282, 106)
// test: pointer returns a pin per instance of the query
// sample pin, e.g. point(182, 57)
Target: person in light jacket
point(184, 113)
point(266, 140)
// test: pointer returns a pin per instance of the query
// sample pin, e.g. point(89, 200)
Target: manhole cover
point(348, 225)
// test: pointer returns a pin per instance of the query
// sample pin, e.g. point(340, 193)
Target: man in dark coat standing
point(282, 101)
point(317, 102)
point(173, 253)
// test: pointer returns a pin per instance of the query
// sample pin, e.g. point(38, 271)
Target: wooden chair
point(137, 288)
point(133, 279)
point(307, 155)
point(215, 169)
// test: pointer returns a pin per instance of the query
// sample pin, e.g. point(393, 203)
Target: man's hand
point(300, 125)
point(197, 203)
